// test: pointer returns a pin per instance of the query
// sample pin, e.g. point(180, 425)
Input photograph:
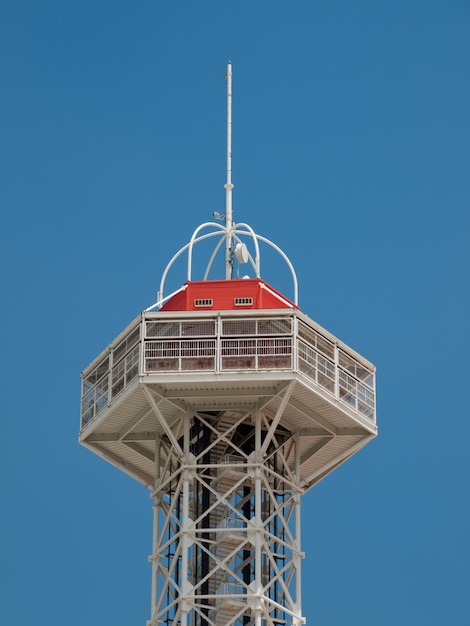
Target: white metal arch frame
point(234, 236)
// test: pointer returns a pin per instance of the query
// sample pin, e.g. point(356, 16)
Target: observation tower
point(228, 404)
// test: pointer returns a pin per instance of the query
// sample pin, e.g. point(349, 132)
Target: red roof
point(240, 293)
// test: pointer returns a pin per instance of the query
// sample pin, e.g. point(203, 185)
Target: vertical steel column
point(185, 528)
point(156, 517)
point(297, 556)
point(258, 520)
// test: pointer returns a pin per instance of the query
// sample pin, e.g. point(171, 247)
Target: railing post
point(218, 344)
point(336, 356)
point(356, 394)
point(294, 334)
point(110, 375)
point(142, 345)
point(375, 406)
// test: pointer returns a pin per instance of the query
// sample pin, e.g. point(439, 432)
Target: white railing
point(98, 396)
point(230, 530)
point(316, 366)
point(356, 394)
point(232, 459)
point(233, 524)
point(214, 347)
point(94, 398)
point(329, 374)
point(179, 355)
point(256, 353)
point(231, 464)
point(229, 592)
point(125, 371)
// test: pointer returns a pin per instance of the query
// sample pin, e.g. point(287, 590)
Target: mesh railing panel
point(275, 353)
point(179, 355)
point(320, 343)
point(94, 399)
point(317, 367)
point(255, 327)
point(196, 328)
point(356, 394)
point(125, 371)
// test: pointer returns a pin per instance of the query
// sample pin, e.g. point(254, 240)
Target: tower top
point(226, 232)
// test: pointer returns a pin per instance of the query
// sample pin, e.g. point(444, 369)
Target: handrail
point(312, 355)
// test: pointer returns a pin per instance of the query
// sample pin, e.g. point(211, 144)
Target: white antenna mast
point(232, 233)
point(228, 185)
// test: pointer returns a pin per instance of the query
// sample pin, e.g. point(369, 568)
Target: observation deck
point(231, 361)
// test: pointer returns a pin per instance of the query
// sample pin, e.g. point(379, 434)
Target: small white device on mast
point(228, 185)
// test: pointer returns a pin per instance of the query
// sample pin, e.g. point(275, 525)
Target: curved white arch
point(193, 240)
point(289, 264)
point(213, 255)
point(177, 255)
point(234, 233)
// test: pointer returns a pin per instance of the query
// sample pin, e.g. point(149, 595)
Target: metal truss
point(226, 547)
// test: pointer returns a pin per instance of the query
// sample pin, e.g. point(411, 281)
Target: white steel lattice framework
point(227, 521)
point(228, 403)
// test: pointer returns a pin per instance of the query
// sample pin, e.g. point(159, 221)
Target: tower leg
point(156, 517)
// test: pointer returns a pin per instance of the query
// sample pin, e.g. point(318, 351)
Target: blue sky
point(351, 152)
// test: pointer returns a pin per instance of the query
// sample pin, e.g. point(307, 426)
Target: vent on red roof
point(203, 302)
point(243, 301)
